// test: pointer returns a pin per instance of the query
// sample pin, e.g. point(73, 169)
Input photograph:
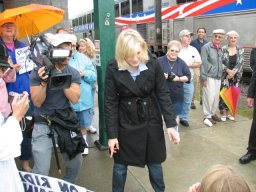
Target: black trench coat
point(133, 113)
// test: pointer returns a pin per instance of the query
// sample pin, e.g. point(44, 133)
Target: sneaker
point(231, 118)
point(86, 151)
point(212, 121)
point(92, 129)
point(207, 122)
point(223, 118)
point(216, 118)
point(193, 106)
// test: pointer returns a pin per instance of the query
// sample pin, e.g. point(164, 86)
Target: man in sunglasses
point(211, 73)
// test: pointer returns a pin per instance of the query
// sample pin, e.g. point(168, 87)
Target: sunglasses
point(174, 51)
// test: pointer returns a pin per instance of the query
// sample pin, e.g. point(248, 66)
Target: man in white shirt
point(192, 58)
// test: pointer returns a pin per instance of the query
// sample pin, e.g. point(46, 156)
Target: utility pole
point(158, 23)
point(104, 24)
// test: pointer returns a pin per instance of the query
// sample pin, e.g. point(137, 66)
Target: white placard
point(22, 58)
point(97, 52)
point(36, 183)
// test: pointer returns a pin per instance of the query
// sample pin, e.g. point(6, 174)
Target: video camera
point(43, 54)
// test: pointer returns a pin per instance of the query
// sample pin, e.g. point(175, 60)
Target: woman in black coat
point(136, 97)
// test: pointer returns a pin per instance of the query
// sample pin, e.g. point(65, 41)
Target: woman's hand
point(166, 75)
point(173, 135)
point(250, 102)
point(20, 105)
point(194, 188)
point(113, 146)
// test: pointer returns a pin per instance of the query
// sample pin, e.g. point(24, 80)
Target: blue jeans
point(188, 95)
point(155, 176)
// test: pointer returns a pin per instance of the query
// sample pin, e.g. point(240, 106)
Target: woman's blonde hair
point(16, 35)
point(90, 48)
point(222, 178)
point(126, 47)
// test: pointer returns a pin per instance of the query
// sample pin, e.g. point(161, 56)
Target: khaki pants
point(211, 95)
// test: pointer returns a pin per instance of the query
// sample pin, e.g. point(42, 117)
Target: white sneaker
point(92, 129)
point(207, 122)
point(86, 151)
point(223, 118)
point(231, 118)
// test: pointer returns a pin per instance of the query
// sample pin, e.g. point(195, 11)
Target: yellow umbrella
point(32, 19)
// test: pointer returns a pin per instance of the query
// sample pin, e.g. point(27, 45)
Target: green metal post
point(104, 22)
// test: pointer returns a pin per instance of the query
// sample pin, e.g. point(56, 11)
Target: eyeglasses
point(8, 25)
point(174, 51)
point(218, 36)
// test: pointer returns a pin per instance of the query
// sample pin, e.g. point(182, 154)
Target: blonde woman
point(135, 88)
point(8, 34)
point(221, 178)
point(87, 47)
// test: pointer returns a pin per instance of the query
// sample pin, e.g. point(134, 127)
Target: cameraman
point(46, 101)
point(176, 73)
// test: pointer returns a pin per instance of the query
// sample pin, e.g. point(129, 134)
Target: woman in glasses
point(233, 60)
point(176, 72)
point(8, 34)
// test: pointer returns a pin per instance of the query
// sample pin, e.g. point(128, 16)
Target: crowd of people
point(141, 92)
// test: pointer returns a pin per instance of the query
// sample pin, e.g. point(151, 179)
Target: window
point(89, 18)
point(84, 19)
point(137, 6)
point(125, 8)
point(80, 21)
point(184, 1)
point(117, 10)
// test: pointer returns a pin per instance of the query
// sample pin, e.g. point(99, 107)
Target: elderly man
point(193, 60)
point(211, 73)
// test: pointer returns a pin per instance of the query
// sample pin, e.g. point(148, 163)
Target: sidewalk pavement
point(200, 147)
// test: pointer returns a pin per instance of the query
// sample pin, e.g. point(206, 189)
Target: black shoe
point(247, 158)
point(193, 106)
point(184, 123)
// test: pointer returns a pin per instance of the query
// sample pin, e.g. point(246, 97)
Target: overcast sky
point(78, 7)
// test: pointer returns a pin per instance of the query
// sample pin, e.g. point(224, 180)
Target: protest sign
point(34, 183)
point(22, 58)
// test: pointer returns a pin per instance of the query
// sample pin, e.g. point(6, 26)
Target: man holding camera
point(47, 100)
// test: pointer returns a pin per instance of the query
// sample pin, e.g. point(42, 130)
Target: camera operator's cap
point(185, 32)
point(73, 38)
point(57, 39)
point(4, 57)
point(4, 21)
point(219, 31)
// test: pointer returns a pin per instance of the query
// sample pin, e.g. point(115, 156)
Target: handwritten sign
point(22, 58)
point(34, 183)
point(97, 52)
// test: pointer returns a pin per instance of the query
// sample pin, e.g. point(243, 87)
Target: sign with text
point(22, 58)
point(35, 183)
point(97, 52)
